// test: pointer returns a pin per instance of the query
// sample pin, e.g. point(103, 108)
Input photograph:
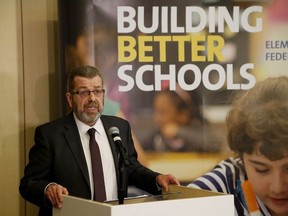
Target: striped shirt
point(227, 177)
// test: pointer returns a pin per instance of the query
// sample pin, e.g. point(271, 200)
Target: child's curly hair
point(260, 116)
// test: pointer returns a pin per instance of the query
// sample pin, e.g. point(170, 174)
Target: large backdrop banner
point(171, 67)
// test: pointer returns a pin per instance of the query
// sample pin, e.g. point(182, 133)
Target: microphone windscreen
point(113, 130)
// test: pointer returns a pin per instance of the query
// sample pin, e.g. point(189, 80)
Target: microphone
point(114, 133)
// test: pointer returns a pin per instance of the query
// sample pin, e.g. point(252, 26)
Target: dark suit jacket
point(57, 156)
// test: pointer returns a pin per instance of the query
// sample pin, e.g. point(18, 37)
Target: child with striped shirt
point(258, 134)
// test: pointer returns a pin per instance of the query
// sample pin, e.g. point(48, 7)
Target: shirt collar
point(83, 128)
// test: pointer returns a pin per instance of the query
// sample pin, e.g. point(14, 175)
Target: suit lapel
point(74, 141)
point(108, 124)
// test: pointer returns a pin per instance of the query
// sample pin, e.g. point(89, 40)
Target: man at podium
point(85, 154)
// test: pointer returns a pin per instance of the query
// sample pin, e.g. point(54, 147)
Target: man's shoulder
point(110, 121)
point(58, 122)
point(112, 118)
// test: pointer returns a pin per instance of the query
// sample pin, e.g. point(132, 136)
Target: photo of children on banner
point(180, 125)
point(257, 175)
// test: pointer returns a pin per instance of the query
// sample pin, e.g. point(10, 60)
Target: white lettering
point(196, 19)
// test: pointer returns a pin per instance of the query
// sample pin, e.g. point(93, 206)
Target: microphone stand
point(123, 178)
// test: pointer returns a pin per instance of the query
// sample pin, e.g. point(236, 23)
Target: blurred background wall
point(29, 89)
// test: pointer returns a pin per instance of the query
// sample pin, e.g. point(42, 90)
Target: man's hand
point(54, 194)
point(165, 180)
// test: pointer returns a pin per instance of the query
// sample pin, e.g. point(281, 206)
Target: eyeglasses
point(85, 93)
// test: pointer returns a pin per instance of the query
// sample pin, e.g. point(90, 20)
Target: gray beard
point(90, 119)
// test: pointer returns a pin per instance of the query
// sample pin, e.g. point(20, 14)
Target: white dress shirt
point(106, 156)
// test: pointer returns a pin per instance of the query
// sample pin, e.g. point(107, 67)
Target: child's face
point(164, 110)
point(269, 180)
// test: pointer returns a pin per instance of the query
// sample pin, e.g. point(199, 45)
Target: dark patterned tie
point(97, 170)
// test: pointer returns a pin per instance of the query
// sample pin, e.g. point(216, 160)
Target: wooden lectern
point(178, 201)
